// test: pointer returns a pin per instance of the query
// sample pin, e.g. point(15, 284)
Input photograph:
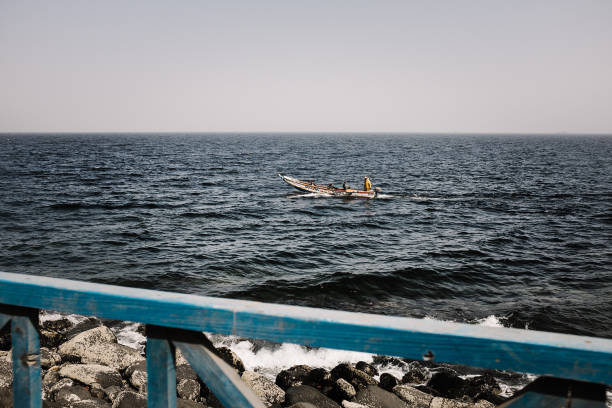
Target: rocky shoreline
point(83, 366)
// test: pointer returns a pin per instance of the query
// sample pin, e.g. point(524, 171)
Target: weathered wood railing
point(177, 320)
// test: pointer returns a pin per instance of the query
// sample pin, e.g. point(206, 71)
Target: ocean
point(504, 230)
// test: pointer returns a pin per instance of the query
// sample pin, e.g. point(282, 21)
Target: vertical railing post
point(161, 370)
point(26, 358)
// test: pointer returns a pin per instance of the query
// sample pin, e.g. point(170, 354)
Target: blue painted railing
point(176, 320)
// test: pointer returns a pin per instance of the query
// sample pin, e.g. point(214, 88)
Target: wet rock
point(264, 388)
point(366, 368)
point(427, 390)
point(308, 394)
point(293, 376)
point(447, 384)
point(416, 374)
point(5, 337)
point(355, 377)
point(91, 373)
point(50, 378)
point(414, 397)
point(388, 381)
point(439, 402)
point(318, 378)
point(49, 358)
point(188, 389)
point(376, 397)
point(68, 395)
point(49, 338)
point(386, 361)
point(183, 403)
point(6, 374)
point(57, 325)
point(91, 403)
point(130, 399)
point(231, 358)
point(483, 387)
point(342, 390)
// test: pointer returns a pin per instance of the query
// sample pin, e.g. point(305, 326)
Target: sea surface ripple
point(519, 227)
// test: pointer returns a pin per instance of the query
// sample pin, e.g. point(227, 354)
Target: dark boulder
point(306, 393)
point(293, 376)
point(388, 381)
point(447, 384)
point(367, 368)
point(342, 390)
point(375, 397)
point(417, 374)
point(355, 377)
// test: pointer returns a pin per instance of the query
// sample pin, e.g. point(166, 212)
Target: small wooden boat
point(311, 187)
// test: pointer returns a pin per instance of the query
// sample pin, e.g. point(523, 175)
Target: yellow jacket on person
point(367, 185)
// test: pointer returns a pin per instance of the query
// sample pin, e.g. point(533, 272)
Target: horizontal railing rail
point(170, 316)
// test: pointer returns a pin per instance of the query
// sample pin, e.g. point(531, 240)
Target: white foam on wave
point(128, 335)
point(490, 321)
point(269, 361)
point(48, 316)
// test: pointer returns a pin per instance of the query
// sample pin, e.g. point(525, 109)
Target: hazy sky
point(405, 66)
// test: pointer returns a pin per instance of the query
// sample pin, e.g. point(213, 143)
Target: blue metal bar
point(26, 359)
point(219, 376)
point(161, 369)
point(560, 355)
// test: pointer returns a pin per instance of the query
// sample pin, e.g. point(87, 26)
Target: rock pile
point(85, 367)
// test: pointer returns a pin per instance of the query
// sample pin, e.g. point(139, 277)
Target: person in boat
point(367, 184)
point(345, 185)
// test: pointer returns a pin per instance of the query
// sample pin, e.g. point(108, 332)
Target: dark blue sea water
point(516, 227)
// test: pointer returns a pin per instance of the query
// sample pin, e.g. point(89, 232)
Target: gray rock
point(264, 388)
point(306, 393)
point(6, 374)
point(137, 376)
point(303, 405)
point(188, 389)
point(130, 399)
point(99, 346)
point(91, 373)
point(6, 397)
point(68, 395)
point(185, 372)
point(183, 403)
point(484, 404)
point(231, 358)
point(348, 404)
point(357, 378)
point(342, 390)
point(62, 383)
point(91, 403)
point(412, 396)
point(376, 397)
point(50, 338)
point(112, 392)
point(439, 402)
point(49, 358)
